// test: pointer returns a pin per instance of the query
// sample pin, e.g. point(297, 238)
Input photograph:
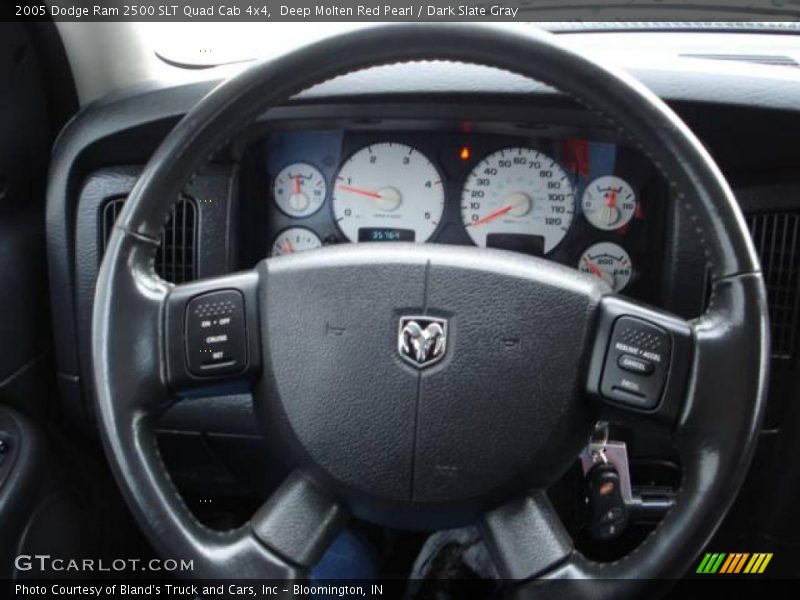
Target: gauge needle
point(492, 216)
point(611, 195)
point(367, 193)
point(288, 247)
point(593, 268)
point(296, 188)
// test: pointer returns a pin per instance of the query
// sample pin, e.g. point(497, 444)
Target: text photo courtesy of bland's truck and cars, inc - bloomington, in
point(268, 11)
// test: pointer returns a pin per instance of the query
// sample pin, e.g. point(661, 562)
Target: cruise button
point(634, 364)
point(215, 337)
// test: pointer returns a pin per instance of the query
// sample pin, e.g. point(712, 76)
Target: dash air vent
point(777, 239)
point(176, 257)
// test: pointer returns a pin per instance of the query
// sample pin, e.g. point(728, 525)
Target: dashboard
point(594, 205)
point(230, 217)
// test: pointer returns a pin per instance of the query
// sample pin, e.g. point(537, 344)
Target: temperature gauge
point(299, 189)
point(609, 202)
point(295, 239)
point(609, 262)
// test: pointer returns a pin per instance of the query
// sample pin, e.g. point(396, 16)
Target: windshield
point(197, 45)
point(736, 26)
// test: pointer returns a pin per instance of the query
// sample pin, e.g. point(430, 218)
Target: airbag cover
point(500, 410)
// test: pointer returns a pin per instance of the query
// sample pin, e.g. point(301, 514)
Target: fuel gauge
point(295, 239)
point(609, 262)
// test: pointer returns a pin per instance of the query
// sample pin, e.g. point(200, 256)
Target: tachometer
point(392, 189)
point(609, 262)
point(295, 239)
point(609, 202)
point(517, 194)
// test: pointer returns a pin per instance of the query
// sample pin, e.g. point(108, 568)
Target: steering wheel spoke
point(526, 537)
point(640, 363)
point(299, 521)
point(212, 339)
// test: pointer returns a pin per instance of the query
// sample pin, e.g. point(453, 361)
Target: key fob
point(608, 515)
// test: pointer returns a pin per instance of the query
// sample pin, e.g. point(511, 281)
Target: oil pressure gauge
point(299, 189)
point(609, 202)
point(609, 262)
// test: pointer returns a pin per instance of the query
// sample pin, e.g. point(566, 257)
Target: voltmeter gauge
point(295, 239)
point(609, 262)
point(299, 189)
point(609, 202)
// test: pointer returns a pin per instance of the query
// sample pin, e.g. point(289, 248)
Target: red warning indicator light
point(465, 153)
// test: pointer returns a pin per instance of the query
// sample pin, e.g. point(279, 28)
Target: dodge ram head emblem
point(422, 341)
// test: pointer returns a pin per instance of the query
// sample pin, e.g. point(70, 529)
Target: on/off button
point(634, 364)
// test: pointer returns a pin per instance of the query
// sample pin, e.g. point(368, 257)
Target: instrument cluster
point(592, 205)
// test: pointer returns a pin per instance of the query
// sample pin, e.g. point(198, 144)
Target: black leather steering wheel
point(480, 434)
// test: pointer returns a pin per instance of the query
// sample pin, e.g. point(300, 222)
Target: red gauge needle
point(593, 268)
point(288, 247)
point(611, 196)
point(492, 216)
point(296, 187)
point(367, 193)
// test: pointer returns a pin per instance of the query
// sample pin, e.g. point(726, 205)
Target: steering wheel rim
point(715, 427)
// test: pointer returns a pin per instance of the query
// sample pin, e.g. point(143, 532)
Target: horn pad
point(415, 378)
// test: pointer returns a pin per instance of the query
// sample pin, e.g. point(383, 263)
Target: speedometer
point(388, 192)
point(518, 198)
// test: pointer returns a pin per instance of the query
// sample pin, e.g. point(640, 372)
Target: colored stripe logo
point(734, 563)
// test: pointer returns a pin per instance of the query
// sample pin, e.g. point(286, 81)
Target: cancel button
point(634, 364)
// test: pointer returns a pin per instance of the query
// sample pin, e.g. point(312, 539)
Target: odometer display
point(380, 234)
point(518, 191)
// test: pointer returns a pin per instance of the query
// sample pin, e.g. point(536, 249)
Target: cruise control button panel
point(636, 364)
point(215, 334)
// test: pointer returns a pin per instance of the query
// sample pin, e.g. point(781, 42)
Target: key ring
point(598, 441)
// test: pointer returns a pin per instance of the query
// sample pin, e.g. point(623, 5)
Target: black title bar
point(400, 10)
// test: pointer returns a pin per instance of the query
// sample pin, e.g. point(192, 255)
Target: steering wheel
point(422, 426)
